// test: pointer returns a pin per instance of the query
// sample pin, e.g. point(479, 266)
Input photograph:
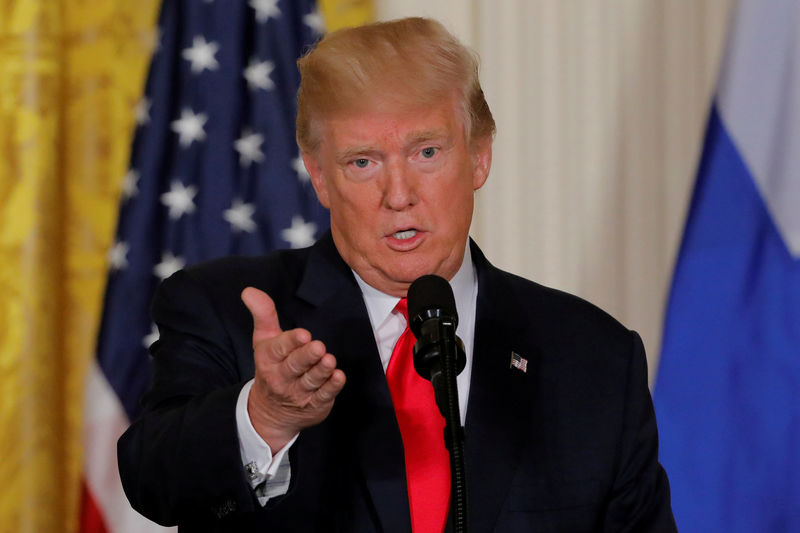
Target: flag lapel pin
point(518, 362)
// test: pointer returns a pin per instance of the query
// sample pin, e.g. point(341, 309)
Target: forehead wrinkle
point(397, 132)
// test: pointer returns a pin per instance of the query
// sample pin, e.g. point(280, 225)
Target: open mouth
point(405, 234)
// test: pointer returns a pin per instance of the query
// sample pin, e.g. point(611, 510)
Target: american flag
point(214, 171)
point(518, 362)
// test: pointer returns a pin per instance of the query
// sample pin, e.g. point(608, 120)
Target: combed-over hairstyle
point(405, 63)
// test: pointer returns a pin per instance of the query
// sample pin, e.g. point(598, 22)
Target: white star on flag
point(300, 234)
point(249, 148)
point(168, 266)
point(190, 127)
point(179, 199)
point(315, 21)
point(142, 111)
point(201, 55)
point(240, 216)
point(118, 256)
point(265, 9)
point(257, 74)
point(300, 168)
point(130, 184)
point(151, 337)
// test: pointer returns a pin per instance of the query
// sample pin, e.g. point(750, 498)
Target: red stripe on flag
point(91, 519)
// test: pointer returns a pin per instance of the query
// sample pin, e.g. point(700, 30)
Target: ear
point(317, 180)
point(481, 161)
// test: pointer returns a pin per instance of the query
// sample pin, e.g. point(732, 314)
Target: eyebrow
point(425, 135)
point(351, 152)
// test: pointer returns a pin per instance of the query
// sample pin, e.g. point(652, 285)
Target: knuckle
point(323, 396)
point(281, 348)
point(308, 381)
point(292, 366)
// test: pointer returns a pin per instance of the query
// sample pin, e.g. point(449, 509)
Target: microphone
point(433, 316)
point(439, 356)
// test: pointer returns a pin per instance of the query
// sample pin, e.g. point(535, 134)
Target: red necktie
point(422, 429)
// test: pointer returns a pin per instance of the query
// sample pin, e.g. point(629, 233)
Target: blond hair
point(405, 63)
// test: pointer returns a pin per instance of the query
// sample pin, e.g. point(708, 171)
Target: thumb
point(265, 317)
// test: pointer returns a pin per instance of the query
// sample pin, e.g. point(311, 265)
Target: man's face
point(399, 185)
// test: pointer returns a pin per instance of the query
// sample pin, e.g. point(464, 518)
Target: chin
point(409, 275)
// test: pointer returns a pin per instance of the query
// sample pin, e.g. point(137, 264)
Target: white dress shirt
point(269, 474)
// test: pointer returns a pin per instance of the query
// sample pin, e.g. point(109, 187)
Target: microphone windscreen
point(430, 295)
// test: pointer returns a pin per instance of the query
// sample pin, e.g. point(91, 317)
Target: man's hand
point(296, 381)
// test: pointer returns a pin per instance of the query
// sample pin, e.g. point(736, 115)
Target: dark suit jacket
point(569, 445)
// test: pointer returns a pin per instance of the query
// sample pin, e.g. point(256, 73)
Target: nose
point(400, 187)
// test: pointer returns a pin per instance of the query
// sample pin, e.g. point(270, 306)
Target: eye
point(361, 162)
point(429, 152)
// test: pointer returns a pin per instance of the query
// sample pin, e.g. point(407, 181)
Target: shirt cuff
point(269, 475)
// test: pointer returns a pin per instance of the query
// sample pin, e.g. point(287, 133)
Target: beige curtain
point(601, 107)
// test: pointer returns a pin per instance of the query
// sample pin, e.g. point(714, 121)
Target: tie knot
point(402, 307)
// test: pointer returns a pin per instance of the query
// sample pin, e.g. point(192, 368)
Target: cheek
point(350, 212)
point(454, 199)
point(460, 204)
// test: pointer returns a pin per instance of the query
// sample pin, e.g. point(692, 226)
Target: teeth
point(403, 235)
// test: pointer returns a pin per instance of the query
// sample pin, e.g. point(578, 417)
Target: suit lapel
point(363, 413)
point(498, 412)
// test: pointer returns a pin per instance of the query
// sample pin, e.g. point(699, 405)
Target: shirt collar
point(380, 305)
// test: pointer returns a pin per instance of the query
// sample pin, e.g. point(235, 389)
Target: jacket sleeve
point(640, 499)
point(180, 459)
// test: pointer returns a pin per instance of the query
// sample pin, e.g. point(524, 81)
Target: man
point(277, 411)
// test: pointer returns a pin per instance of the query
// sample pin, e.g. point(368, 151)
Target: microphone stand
point(447, 400)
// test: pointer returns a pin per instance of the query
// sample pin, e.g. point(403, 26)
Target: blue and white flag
point(215, 170)
point(728, 389)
